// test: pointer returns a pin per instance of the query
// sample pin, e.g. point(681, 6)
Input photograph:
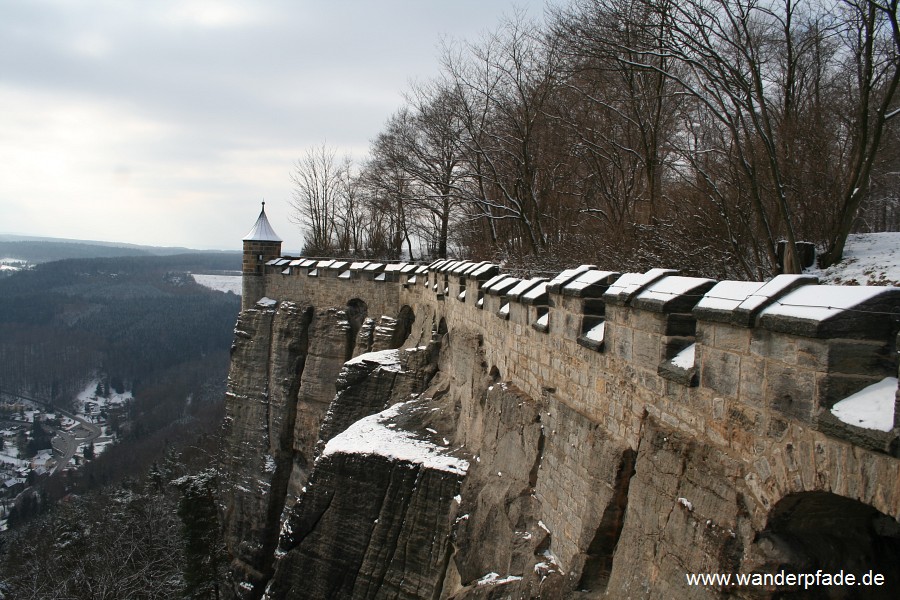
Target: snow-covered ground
point(869, 259)
point(88, 403)
point(222, 283)
point(12, 264)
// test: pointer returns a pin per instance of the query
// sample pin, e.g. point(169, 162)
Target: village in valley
point(39, 440)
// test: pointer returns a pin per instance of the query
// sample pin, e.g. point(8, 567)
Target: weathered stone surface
point(267, 359)
point(283, 379)
point(385, 520)
point(683, 512)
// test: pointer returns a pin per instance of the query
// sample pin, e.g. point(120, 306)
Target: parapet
point(786, 350)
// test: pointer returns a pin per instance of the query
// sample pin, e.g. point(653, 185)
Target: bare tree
point(318, 180)
point(503, 86)
point(753, 69)
point(872, 37)
point(619, 113)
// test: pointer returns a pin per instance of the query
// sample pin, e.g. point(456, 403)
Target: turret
point(261, 244)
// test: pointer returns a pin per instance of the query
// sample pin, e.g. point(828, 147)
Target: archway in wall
point(810, 531)
point(405, 319)
point(440, 329)
point(357, 311)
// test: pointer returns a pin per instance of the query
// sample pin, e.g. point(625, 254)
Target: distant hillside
point(129, 317)
point(40, 250)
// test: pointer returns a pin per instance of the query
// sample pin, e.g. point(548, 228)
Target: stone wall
point(713, 442)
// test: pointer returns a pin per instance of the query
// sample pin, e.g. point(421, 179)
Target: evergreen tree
point(203, 549)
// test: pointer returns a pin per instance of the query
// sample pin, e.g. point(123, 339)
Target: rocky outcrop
point(285, 361)
point(376, 517)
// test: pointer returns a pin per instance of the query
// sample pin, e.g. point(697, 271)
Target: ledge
point(886, 442)
point(686, 377)
point(630, 285)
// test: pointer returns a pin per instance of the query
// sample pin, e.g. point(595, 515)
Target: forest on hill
point(630, 134)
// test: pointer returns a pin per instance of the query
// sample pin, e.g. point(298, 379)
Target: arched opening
point(403, 327)
point(812, 531)
point(438, 330)
point(495, 375)
point(356, 310)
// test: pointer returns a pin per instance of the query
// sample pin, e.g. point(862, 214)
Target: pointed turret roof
point(262, 231)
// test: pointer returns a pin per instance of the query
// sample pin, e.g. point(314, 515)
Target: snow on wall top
point(820, 302)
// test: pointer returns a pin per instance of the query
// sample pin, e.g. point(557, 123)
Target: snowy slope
point(869, 259)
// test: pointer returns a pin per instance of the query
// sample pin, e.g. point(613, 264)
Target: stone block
point(859, 357)
point(752, 381)
point(680, 324)
point(791, 391)
point(775, 346)
point(879, 441)
point(732, 338)
point(647, 349)
point(720, 371)
point(622, 340)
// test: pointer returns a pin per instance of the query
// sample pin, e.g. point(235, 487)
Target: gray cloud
point(167, 122)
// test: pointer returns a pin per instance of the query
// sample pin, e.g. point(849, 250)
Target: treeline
point(631, 133)
point(51, 249)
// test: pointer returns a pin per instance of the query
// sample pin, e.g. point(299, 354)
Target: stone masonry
point(642, 371)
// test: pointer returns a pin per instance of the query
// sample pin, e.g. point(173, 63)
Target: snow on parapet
point(629, 284)
point(673, 293)
point(871, 407)
point(728, 295)
point(372, 436)
point(820, 302)
point(589, 280)
point(566, 276)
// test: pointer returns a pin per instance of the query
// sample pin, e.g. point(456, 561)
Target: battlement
point(779, 351)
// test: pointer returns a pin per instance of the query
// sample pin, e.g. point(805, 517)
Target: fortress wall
point(755, 401)
point(327, 289)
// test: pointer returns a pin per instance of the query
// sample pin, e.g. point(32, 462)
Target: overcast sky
point(167, 122)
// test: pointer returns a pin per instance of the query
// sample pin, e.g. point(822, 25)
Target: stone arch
point(809, 531)
point(405, 319)
point(494, 374)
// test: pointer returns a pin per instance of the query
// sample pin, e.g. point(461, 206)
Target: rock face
point(285, 363)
